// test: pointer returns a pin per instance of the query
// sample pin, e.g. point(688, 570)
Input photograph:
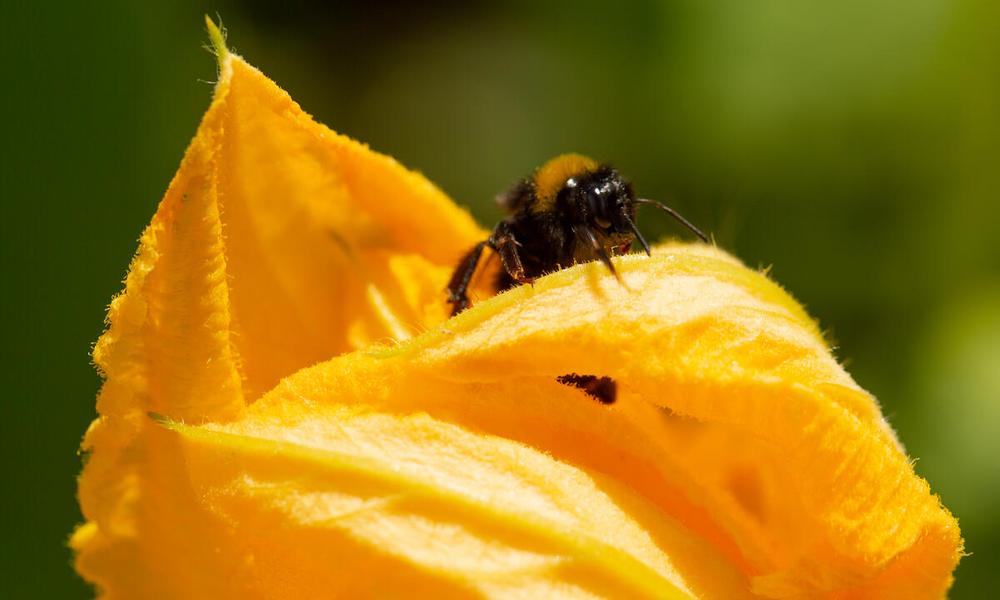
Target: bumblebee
point(572, 210)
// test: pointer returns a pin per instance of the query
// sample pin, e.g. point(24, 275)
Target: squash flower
point(288, 412)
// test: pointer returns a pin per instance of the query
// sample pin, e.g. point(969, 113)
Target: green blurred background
point(853, 145)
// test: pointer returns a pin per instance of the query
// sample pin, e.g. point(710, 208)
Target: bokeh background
point(852, 145)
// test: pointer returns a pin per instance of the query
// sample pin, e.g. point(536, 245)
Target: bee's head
point(591, 199)
point(595, 197)
point(603, 201)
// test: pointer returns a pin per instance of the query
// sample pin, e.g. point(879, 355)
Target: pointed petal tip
point(217, 35)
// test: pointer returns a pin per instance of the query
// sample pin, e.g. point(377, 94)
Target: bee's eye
point(596, 202)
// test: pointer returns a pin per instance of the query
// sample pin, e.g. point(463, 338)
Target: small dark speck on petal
point(604, 389)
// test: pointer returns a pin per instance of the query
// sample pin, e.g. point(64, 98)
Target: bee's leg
point(587, 237)
point(459, 284)
point(505, 244)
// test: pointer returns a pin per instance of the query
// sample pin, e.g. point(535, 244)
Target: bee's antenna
point(638, 234)
point(673, 213)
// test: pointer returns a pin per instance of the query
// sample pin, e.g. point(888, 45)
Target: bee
point(572, 210)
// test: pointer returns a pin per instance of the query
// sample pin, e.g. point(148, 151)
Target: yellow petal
point(738, 459)
point(311, 225)
point(321, 498)
point(264, 256)
point(794, 461)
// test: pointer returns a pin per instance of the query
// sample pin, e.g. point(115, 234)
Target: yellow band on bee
point(550, 178)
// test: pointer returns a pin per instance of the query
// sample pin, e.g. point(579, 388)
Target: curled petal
point(763, 445)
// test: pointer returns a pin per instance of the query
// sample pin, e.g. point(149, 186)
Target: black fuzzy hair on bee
point(571, 210)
